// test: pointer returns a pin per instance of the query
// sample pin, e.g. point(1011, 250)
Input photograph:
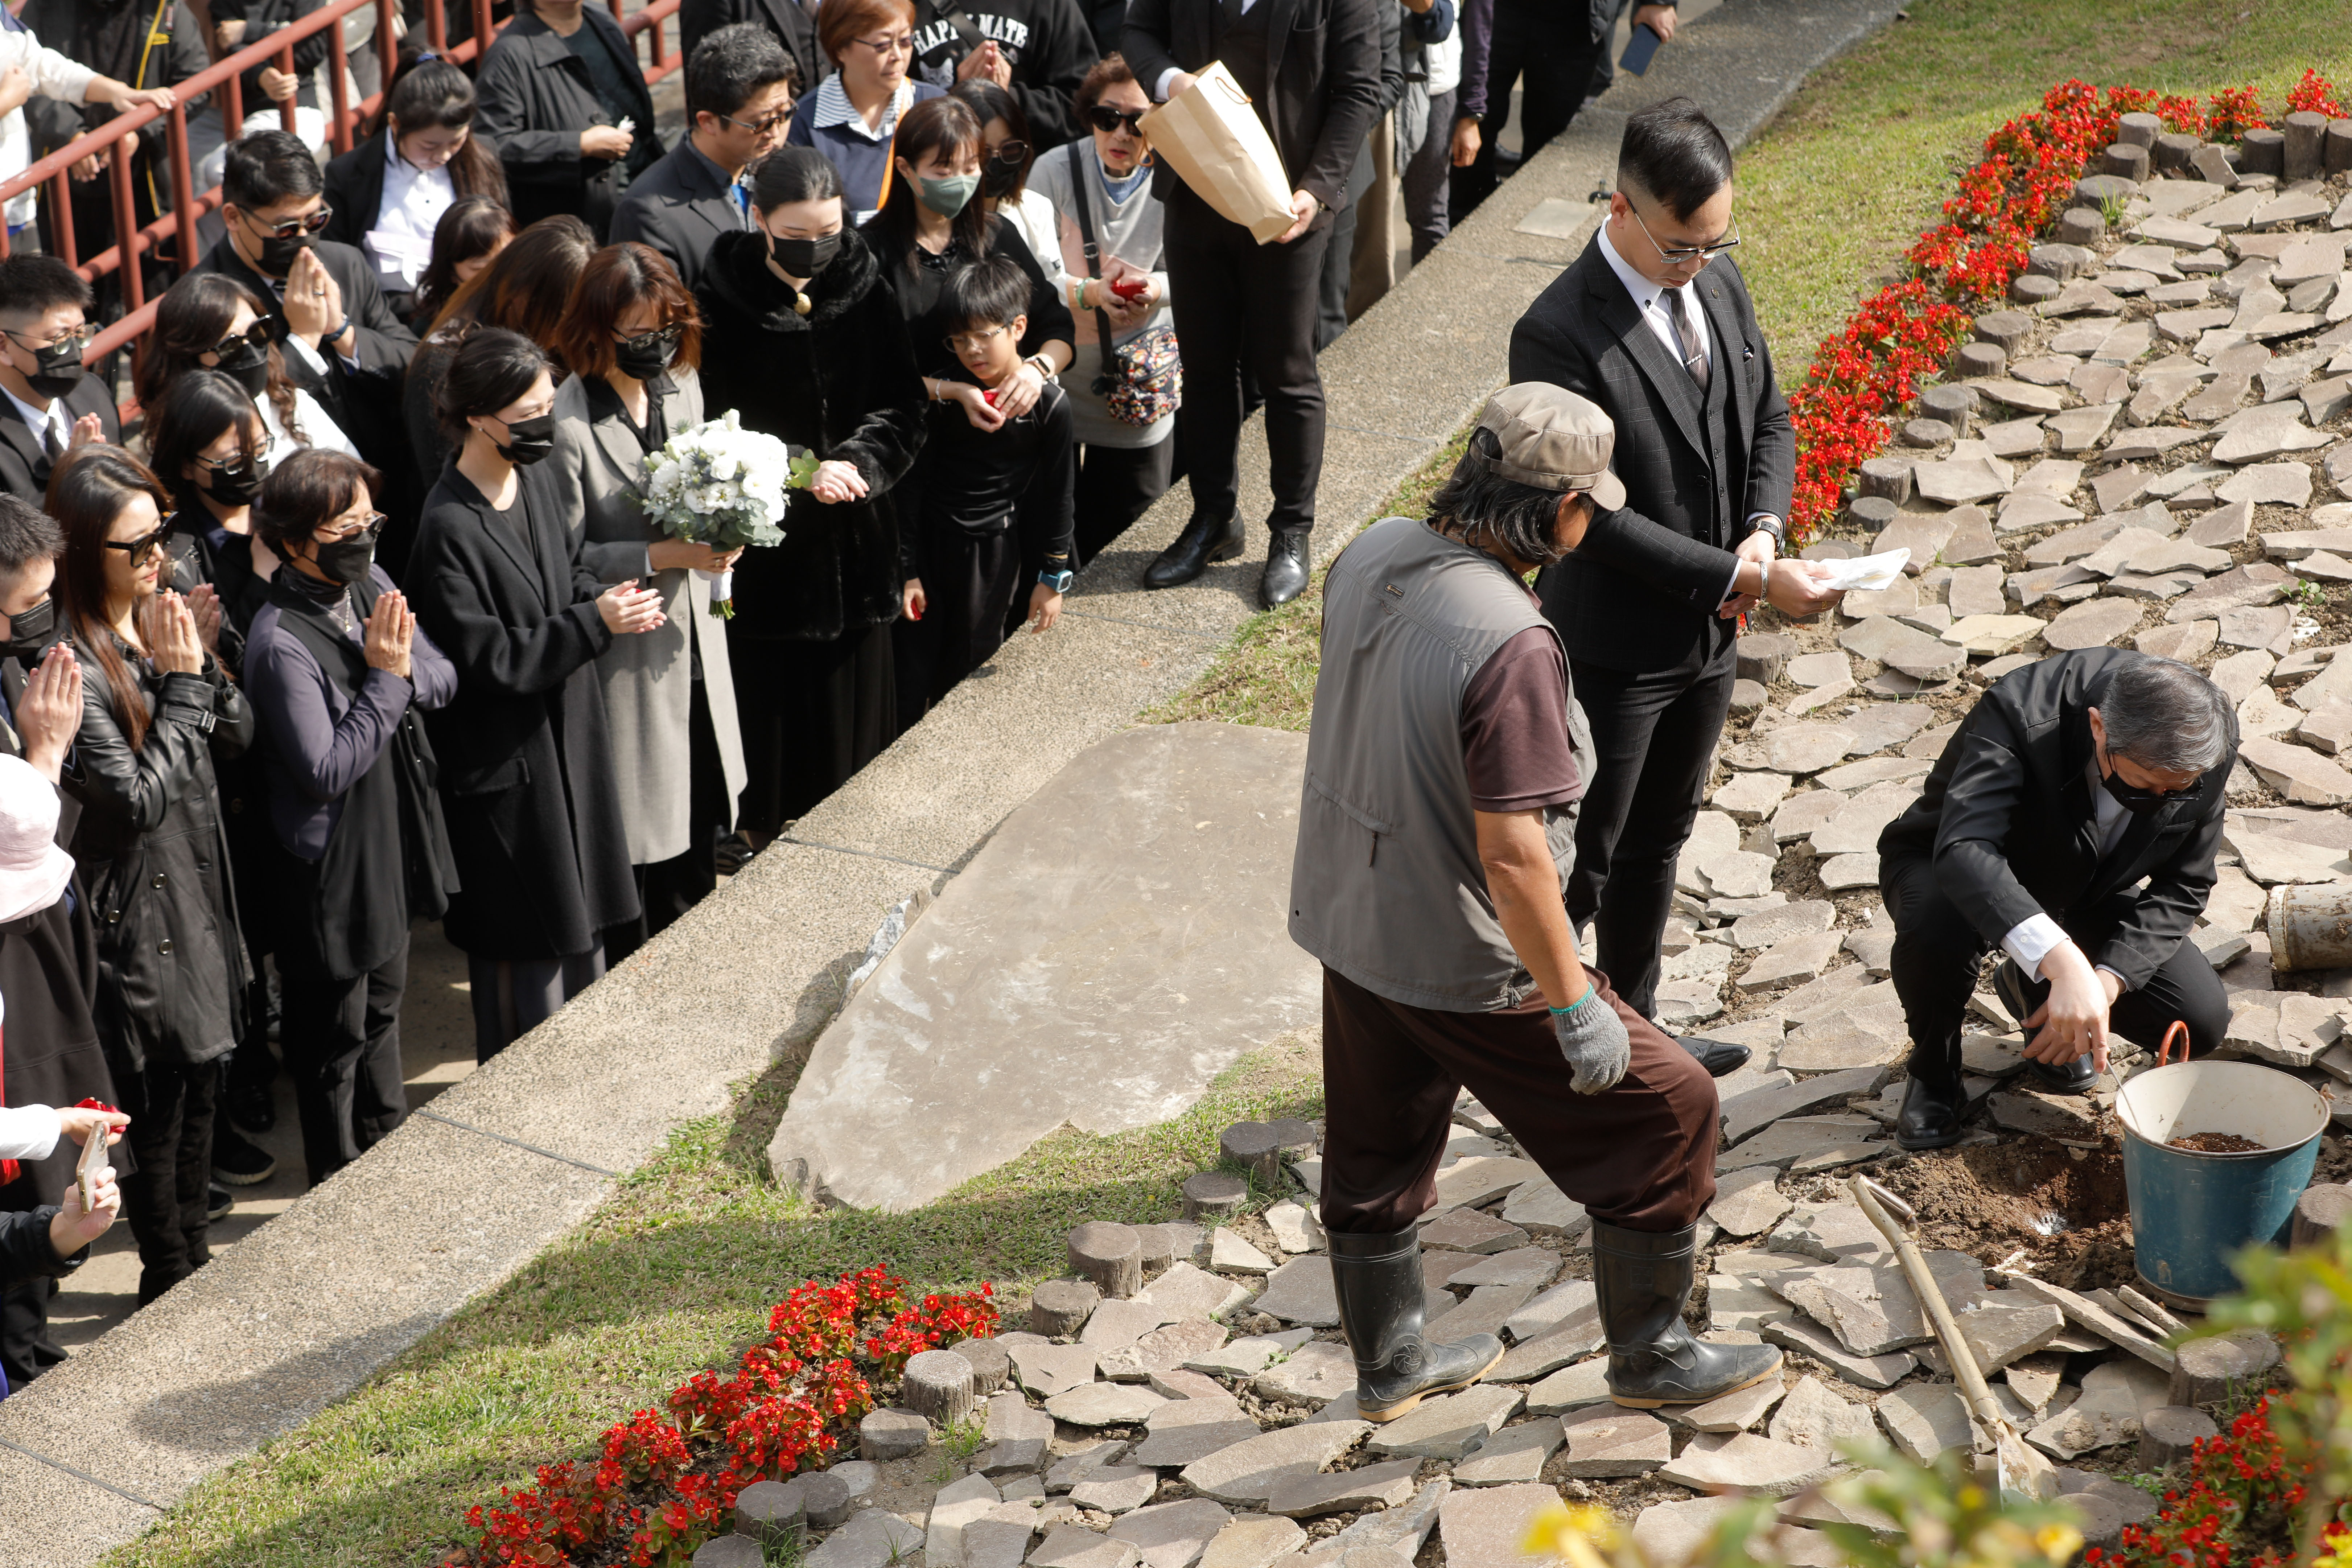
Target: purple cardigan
point(320, 742)
point(1478, 47)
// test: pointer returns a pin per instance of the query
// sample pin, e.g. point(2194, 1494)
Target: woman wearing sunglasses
point(156, 710)
point(525, 760)
point(1126, 458)
point(338, 672)
point(632, 338)
point(211, 320)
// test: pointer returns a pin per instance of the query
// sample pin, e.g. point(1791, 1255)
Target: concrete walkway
point(507, 1160)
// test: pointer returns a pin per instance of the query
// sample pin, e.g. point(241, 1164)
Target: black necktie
point(1686, 330)
point(49, 442)
point(1233, 11)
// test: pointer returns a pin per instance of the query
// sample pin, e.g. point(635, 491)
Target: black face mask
point(248, 367)
point(59, 370)
point(234, 485)
point(528, 440)
point(32, 634)
point(346, 561)
point(805, 258)
point(2140, 802)
point(276, 255)
point(642, 363)
point(999, 179)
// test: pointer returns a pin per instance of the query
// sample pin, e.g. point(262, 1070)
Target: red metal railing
point(223, 79)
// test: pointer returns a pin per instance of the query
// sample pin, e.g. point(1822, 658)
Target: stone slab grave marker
point(1131, 910)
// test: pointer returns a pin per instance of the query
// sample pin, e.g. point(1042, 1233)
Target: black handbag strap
point(1093, 261)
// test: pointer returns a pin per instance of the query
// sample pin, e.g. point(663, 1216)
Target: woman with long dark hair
point(801, 338)
point(633, 339)
point(213, 322)
point(1007, 155)
point(474, 230)
point(156, 709)
point(338, 672)
point(421, 156)
point(526, 762)
point(523, 289)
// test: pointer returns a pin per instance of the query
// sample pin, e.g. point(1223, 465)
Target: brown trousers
point(1641, 1155)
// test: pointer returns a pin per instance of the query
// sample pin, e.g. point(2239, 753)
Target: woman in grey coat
point(633, 337)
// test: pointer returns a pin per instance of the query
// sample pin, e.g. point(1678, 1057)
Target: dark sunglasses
point(294, 225)
point(368, 529)
point(143, 546)
point(660, 338)
point(257, 336)
point(1106, 119)
point(1009, 152)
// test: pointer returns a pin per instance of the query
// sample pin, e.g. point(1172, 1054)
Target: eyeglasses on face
point(310, 223)
point(1676, 255)
point(766, 125)
point(660, 338)
point(1009, 151)
point(972, 343)
point(258, 335)
point(898, 44)
point(76, 335)
point(1106, 119)
point(336, 529)
point(140, 548)
point(256, 452)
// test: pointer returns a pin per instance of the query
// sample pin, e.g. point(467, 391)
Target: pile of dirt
point(2216, 1143)
point(2064, 1207)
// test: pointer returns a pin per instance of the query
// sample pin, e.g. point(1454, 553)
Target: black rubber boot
point(1643, 1279)
point(1285, 568)
point(1202, 543)
point(1377, 1279)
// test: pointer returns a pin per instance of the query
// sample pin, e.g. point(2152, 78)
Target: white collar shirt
point(834, 109)
point(54, 420)
point(1656, 303)
point(413, 200)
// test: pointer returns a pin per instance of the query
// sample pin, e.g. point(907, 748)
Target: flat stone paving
point(1118, 943)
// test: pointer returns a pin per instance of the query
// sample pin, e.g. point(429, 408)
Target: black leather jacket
point(172, 969)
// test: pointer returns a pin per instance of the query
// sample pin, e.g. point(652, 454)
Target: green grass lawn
point(1863, 157)
point(676, 1273)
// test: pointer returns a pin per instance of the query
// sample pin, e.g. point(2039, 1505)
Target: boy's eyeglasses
point(1106, 119)
point(971, 342)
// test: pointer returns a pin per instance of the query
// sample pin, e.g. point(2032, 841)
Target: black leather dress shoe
point(1285, 568)
point(1930, 1118)
point(1719, 1057)
point(2067, 1078)
point(1202, 543)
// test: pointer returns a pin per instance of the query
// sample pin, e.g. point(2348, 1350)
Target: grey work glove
point(1594, 1039)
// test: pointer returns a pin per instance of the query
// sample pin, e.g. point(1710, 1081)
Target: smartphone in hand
point(1639, 48)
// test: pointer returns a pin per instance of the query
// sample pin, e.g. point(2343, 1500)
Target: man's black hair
point(1491, 511)
point(1673, 154)
point(732, 64)
point(33, 285)
point(26, 534)
point(266, 168)
point(988, 294)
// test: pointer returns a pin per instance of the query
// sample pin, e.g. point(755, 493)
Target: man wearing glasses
point(2072, 782)
point(52, 404)
point(342, 344)
point(738, 98)
point(1653, 324)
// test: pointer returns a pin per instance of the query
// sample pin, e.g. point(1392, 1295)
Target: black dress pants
point(972, 584)
point(1939, 951)
point(342, 1039)
point(1239, 304)
point(1549, 49)
point(812, 712)
point(165, 1196)
point(1653, 736)
point(1116, 485)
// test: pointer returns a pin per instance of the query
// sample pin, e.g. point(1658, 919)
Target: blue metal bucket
point(2190, 1210)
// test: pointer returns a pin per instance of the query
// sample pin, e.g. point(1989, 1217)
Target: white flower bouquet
point(722, 485)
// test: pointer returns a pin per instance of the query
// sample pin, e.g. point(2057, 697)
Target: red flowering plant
point(666, 1483)
point(1903, 335)
point(2316, 94)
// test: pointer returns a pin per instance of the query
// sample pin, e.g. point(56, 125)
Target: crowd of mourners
point(338, 609)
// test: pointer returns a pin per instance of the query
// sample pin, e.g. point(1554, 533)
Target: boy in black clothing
point(985, 487)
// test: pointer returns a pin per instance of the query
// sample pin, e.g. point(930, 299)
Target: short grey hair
point(2163, 715)
point(1492, 512)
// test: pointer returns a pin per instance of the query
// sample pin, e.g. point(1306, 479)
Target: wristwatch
point(1773, 525)
point(1058, 580)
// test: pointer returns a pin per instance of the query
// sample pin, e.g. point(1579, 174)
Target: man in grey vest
point(1436, 832)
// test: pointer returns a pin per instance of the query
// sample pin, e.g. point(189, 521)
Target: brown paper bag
point(1217, 145)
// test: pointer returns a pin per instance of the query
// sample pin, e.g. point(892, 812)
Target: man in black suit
point(2070, 780)
point(1312, 70)
point(739, 100)
point(1653, 324)
point(52, 404)
point(341, 342)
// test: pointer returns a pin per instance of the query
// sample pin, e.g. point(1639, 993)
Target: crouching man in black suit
point(1653, 324)
point(2071, 780)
